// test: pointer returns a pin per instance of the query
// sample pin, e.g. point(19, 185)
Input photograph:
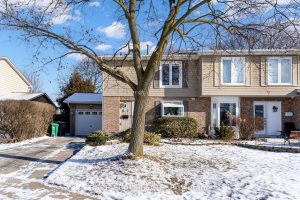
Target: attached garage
point(85, 113)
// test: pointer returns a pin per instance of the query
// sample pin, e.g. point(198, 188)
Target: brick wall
point(297, 112)
point(110, 114)
point(198, 108)
point(287, 105)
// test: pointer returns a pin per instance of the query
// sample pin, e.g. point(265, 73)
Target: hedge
point(22, 120)
point(176, 127)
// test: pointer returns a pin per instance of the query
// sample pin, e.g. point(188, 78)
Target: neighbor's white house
point(14, 86)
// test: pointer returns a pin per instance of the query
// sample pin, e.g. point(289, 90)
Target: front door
point(126, 114)
point(267, 115)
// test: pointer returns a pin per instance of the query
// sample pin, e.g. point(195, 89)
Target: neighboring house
point(214, 88)
point(11, 79)
point(14, 86)
point(85, 113)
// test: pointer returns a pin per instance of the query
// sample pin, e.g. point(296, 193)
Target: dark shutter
point(186, 107)
point(156, 80)
point(157, 109)
point(185, 76)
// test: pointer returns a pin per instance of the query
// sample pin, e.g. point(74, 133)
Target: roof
point(84, 98)
point(25, 96)
point(16, 70)
point(188, 55)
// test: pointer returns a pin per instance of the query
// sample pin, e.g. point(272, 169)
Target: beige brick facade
point(287, 105)
point(111, 112)
point(197, 108)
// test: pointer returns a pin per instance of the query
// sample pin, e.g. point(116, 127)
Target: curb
point(249, 146)
point(272, 149)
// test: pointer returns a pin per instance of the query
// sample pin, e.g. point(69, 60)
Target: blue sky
point(101, 17)
point(111, 33)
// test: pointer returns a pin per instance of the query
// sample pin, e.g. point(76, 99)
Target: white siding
point(10, 81)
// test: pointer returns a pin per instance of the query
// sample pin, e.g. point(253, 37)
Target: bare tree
point(34, 80)
point(269, 39)
point(89, 70)
point(175, 24)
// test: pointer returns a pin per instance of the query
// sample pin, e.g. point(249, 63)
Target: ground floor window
point(225, 110)
point(172, 108)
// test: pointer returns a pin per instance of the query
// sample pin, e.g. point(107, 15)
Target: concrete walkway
point(23, 168)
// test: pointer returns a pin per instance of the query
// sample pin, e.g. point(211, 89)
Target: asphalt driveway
point(23, 168)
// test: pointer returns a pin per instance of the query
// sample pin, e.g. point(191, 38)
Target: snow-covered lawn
point(181, 172)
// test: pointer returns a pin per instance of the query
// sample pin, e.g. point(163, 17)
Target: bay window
point(171, 75)
point(279, 70)
point(233, 71)
point(172, 108)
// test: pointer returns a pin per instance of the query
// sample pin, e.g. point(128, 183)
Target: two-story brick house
point(210, 86)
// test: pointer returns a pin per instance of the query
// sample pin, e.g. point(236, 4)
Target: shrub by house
point(176, 127)
point(23, 120)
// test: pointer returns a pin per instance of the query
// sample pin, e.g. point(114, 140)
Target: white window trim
point(223, 99)
point(170, 74)
point(232, 71)
point(179, 105)
point(279, 70)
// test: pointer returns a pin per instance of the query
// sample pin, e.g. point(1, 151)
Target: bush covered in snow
point(97, 138)
point(21, 120)
point(176, 127)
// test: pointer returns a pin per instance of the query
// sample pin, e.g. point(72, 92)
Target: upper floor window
point(171, 75)
point(172, 108)
point(279, 70)
point(233, 71)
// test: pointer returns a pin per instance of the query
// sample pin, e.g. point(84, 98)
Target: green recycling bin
point(54, 129)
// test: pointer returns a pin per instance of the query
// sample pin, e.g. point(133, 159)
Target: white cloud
point(94, 4)
point(116, 30)
point(61, 18)
point(76, 56)
point(103, 47)
point(56, 12)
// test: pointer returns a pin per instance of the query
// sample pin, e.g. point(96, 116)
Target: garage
point(85, 113)
point(88, 121)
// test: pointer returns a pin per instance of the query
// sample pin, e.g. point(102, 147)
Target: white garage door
point(88, 121)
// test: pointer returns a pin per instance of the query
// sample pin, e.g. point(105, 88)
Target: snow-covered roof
point(20, 96)
point(24, 96)
point(84, 98)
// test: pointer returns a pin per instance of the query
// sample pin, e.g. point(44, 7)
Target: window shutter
point(263, 71)
point(186, 107)
point(295, 70)
point(156, 79)
point(185, 75)
point(248, 63)
point(157, 109)
point(217, 71)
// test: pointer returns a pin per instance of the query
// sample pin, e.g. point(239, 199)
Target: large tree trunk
point(138, 124)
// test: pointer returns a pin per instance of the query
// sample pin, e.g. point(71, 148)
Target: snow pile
point(181, 172)
point(18, 144)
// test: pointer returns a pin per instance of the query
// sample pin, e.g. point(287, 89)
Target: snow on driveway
point(181, 172)
point(23, 167)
